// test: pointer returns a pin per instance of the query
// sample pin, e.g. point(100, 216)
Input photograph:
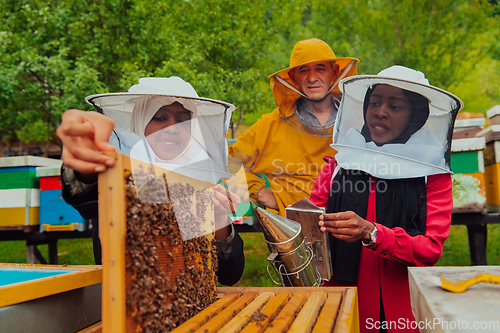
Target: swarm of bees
point(168, 280)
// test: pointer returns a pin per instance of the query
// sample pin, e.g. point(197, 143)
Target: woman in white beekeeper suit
point(161, 121)
point(388, 191)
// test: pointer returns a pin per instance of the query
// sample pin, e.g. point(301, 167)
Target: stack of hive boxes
point(19, 191)
point(467, 164)
point(492, 159)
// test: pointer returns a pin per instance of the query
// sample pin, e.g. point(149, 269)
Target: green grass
point(256, 252)
point(69, 251)
point(456, 247)
point(79, 252)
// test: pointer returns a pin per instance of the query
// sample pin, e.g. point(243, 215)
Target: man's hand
point(266, 197)
point(84, 135)
point(225, 202)
point(347, 226)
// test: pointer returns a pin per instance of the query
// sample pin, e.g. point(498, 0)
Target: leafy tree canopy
point(54, 53)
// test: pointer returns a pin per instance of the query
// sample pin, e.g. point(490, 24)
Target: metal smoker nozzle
point(277, 229)
point(290, 255)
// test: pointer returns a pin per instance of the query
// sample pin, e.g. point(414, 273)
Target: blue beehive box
point(55, 213)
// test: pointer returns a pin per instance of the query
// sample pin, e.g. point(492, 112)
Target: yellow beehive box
point(492, 166)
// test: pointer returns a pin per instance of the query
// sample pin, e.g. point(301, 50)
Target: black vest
point(399, 203)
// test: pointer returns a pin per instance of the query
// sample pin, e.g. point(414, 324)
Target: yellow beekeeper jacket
point(290, 155)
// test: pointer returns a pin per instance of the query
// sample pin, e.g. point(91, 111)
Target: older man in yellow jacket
point(288, 144)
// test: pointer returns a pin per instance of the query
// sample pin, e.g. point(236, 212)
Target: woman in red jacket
point(388, 191)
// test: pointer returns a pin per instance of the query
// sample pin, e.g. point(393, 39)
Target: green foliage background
point(54, 53)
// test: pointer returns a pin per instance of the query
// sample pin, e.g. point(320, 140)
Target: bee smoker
point(291, 256)
point(307, 214)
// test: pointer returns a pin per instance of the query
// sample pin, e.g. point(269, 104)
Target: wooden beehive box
point(468, 128)
point(492, 160)
point(158, 251)
point(492, 175)
point(275, 310)
point(467, 164)
point(494, 115)
point(49, 298)
point(475, 310)
point(19, 191)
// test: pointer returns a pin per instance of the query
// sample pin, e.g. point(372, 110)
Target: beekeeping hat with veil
point(201, 155)
point(423, 147)
point(286, 92)
point(205, 155)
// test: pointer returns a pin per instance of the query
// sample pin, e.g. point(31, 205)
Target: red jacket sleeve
point(322, 185)
point(421, 250)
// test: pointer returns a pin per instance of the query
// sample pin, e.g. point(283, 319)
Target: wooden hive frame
point(278, 309)
point(113, 230)
point(275, 310)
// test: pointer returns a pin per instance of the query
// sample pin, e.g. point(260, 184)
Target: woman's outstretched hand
point(84, 136)
point(347, 226)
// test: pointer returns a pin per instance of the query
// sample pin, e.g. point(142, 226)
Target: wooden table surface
point(438, 310)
